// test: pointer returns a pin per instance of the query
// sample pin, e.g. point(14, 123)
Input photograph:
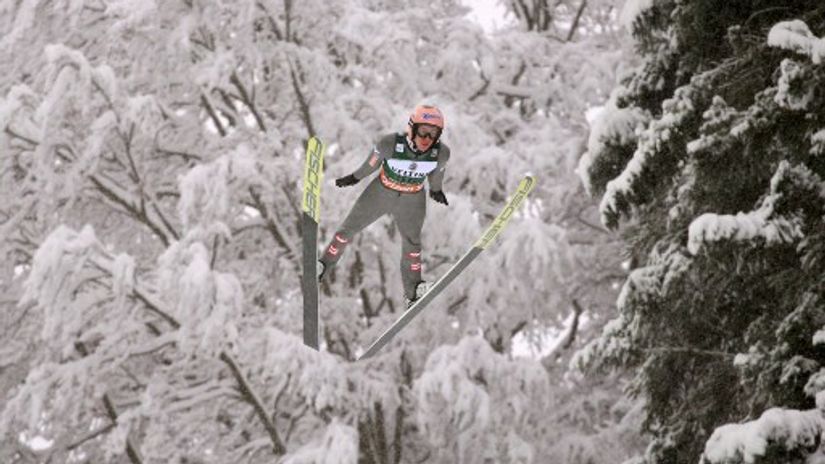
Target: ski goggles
point(426, 131)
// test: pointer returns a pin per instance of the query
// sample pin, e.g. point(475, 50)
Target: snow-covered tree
point(150, 176)
point(709, 156)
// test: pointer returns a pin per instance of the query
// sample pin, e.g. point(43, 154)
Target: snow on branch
point(795, 86)
point(794, 181)
point(23, 20)
point(68, 72)
point(614, 130)
point(612, 344)
point(205, 189)
point(446, 388)
point(338, 445)
point(775, 221)
point(631, 10)
point(815, 386)
point(797, 37)
point(643, 286)
point(741, 227)
point(715, 133)
point(55, 276)
point(790, 430)
point(676, 111)
point(464, 391)
point(818, 143)
point(20, 96)
point(204, 301)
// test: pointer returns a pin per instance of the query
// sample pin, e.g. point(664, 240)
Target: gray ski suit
point(397, 190)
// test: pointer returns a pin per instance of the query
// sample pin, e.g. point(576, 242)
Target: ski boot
point(420, 290)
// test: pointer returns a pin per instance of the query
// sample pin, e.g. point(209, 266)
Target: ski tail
point(492, 232)
point(311, 206)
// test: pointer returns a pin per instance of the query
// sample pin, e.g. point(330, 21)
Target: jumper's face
point(426, 135)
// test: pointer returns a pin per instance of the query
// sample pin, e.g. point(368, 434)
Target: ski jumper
point(397, 190)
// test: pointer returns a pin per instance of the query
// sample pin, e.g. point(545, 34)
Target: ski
point(313, 173)
point(524, 188)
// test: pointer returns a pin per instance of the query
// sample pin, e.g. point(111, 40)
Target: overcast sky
point(488, 13)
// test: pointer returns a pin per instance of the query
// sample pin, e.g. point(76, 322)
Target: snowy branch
point(131, 450)
point(789, 429)
point(247, 100)
point(152, 218)
point(775, 221)
point(243, 385)
point(274, 228)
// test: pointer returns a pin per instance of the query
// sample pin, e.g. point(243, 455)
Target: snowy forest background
point(659, 299)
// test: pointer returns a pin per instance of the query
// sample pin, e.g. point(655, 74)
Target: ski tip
point(528, 182)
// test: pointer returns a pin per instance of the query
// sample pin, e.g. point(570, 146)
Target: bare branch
point(91, 436)
point(687, 350)
point(272, 24)
point(250, 397)
point(576, 20)
point(213, 115)
point(574, 326)
point(248, 100)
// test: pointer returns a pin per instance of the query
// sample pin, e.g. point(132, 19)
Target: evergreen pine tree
point(710, 160)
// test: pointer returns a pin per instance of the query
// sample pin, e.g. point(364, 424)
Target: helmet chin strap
point(412, 144)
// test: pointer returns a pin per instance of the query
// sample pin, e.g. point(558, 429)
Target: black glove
point(438, 196)
point(346, 181)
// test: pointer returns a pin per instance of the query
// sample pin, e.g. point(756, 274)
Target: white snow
point(792, 81)
point(546, 341)
point(752, 358)
point(711, 227)
point(123, 275)
point(613, 341)
point(491, 15)
point(631, 10)
point(338, 445)
point(674, 111)
point(55, 263)
point(796, 36)
point(819, 337)
point(815, 386)
point(611, 126)
point(818, 142)
point(205, 189)
point(36, 443)
point(747, 442)
point(26, 14)
point(741, 359)
point(718, 115)
point(17, 97)
point(762, 222)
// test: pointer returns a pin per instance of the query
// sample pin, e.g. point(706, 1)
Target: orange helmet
point(425, 114)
